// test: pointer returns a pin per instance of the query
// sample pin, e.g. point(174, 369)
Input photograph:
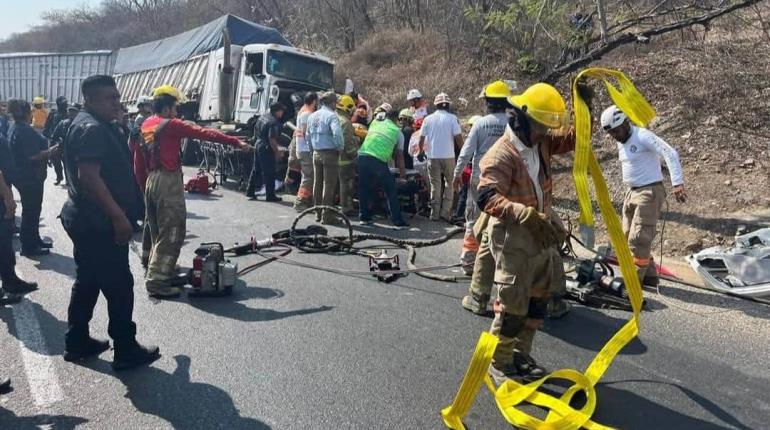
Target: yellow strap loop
point(561, 415)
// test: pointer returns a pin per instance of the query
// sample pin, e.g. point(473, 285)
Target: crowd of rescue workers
point(492, 174)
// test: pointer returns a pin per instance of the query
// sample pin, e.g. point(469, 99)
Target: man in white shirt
point(441, 130)
point(640, 150)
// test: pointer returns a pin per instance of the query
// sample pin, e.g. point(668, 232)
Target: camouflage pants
point(347, 185)
point(167, 219)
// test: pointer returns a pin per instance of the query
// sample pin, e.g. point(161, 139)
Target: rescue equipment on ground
point(201, 184)
point(212, 275)
point(595, 284)
point(383, 266)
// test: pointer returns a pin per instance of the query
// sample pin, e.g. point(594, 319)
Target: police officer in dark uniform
point(266, 133)
point(60, 131)
point(12, 284)
point(54, 118)
point(104, 200)
point(31, 153)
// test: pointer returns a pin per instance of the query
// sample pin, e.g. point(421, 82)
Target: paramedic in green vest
point(383, 141)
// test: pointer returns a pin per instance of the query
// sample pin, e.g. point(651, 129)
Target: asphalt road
point(297, 348)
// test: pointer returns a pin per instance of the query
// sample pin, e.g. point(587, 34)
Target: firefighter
point(103, 201)
point(484, 133)
point(304, 153)
point(640, 151)
point(53, 120)
point(345, 108)
point(166, 215)
point(324, 135)
point(515, 190)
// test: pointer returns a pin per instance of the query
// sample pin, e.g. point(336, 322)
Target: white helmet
point(413, 94)
point(612, 117)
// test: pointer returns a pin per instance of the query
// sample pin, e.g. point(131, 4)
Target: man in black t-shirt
point(266, 133)
point(104, 200)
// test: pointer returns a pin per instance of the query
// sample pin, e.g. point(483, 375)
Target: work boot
point(162, 289)
point(85, 349)
point(5, 384)
point(476, 303)
point(9, 299)
point(134, 355)
point(558, 307)
point(523, 368)
point(19, 286)
point(34, 252)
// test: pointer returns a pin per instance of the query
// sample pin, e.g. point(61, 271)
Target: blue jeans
point(373, 172)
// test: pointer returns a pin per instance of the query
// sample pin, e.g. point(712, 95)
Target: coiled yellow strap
point(561, 415)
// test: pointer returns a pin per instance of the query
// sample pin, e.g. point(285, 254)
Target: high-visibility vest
point(381, 139)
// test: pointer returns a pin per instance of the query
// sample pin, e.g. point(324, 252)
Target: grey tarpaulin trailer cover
point(174, 49)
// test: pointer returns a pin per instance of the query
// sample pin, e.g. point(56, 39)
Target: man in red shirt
point(162, 136)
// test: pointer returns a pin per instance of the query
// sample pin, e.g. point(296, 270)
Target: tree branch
point(643, 36)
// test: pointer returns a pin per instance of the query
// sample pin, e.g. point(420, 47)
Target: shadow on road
point(9, 420)
point(624, 409)
point(230, 306)
point(590, 329)
point(59, 263)
point(174, 398)
point(52, 328)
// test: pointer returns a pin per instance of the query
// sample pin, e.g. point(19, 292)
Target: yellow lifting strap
point(561, 415)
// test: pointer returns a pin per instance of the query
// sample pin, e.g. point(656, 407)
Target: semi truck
point(230, 69)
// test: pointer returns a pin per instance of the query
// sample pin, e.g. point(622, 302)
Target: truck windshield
point(299, 68)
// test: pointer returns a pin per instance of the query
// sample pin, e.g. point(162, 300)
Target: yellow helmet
point(542, 103)
point(168, 90)
point(497, 90)
point(38, 100)
point(346, 104)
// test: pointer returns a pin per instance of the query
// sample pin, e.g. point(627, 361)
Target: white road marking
point(38, 364)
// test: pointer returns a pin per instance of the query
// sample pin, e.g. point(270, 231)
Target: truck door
point(252, 92)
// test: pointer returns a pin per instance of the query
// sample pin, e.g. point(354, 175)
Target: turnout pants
point(470, 244)
point(325, 175)
point(523, 275)
point(347, 185)
point(31, 193)
point(641, 210)
point(101, 266)
point(441, 172)
point(305, 193)
point(167, 219)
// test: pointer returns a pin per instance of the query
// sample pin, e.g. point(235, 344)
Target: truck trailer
point(25, 75)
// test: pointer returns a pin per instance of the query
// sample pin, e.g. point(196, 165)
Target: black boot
point(19, 286)
point(86, 348)
point(5, 384)
point(9, 299)
point(132, 354)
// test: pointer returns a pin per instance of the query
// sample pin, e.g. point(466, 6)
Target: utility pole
point(602, 20)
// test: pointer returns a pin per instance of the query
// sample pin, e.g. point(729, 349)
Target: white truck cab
point(269, 73)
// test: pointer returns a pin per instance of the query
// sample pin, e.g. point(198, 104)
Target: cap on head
point(441, 99)
point(612, 117)
point(38, 100)
point(328, 98)
point(413, 94)
point(542, 103)
point(385, 107)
